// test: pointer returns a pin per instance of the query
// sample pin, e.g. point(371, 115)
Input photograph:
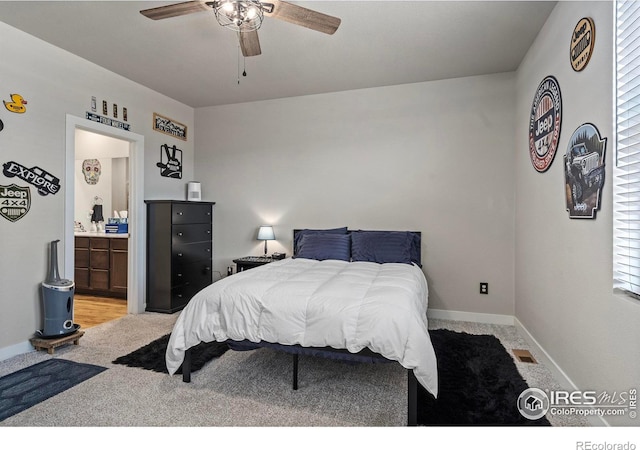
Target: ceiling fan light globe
point(252, 13)
point(228, 7)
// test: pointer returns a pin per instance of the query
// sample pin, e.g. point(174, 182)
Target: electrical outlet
point(484, 288)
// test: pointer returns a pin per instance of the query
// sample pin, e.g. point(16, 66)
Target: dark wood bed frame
point(296, 350)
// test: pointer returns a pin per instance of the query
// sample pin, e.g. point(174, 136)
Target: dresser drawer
point(185, 234)
point(181, 294)
point(188, 253)
point(190, 213)
point(192, 274)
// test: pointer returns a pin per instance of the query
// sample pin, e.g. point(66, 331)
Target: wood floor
point(89, 311)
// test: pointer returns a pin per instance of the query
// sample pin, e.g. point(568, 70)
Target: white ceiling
point(379, 43)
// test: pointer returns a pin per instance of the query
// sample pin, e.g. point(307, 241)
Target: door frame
point(136, 274)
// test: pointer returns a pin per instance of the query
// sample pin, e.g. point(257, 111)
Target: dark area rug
point(151, 356)
point(479, 383)
point(29, 386)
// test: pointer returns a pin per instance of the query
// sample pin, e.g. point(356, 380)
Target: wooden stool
point(51, 344)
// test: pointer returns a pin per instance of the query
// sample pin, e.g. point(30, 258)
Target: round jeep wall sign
point(545, 123)
point(583, 39)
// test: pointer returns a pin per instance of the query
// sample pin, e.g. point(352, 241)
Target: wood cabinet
point(179, 252)
point(101, 265)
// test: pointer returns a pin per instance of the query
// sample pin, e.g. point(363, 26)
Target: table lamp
point(265, 233)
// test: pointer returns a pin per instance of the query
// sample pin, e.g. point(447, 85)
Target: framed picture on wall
point(169, 126)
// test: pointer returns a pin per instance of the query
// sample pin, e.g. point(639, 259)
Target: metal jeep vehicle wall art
point(584, 171)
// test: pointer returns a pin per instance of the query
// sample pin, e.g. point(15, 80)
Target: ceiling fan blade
point(303, 16)
point(249, 43)
point(177, 9)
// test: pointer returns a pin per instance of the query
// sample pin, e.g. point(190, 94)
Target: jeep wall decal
point(584, 171)
point(40, 178)
point(545, 123)
point(15, 202)
point(583, 39)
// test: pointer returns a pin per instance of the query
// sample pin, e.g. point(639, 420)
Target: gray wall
point(564, 289)
point(434, 157)
point(56, 83)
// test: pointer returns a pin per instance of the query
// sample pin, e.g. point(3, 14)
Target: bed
point(356, 295)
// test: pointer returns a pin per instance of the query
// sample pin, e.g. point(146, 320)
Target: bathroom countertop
point(100, 234)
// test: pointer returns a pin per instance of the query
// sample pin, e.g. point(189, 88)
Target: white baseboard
point(498, 319)
point(557, 372)
point(15, 350)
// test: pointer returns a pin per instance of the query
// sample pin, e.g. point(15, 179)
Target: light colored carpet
point(331, 394)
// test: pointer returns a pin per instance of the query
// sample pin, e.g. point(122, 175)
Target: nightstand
point(249, 262)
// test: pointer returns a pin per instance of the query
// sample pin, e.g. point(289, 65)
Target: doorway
point(136, 216)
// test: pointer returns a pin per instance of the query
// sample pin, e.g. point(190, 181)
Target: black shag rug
point(151, 356)
point(479, 383)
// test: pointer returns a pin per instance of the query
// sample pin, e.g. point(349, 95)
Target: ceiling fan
point(245, 17)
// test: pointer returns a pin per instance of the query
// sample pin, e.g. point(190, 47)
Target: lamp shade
point(265, 233)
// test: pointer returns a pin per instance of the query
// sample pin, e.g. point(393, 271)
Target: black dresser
point(179, 252)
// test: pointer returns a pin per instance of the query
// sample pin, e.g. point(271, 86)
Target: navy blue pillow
point(325, 246)
point(300, 233)
point(382, 246)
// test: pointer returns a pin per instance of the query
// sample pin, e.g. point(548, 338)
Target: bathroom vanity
point(101, 264)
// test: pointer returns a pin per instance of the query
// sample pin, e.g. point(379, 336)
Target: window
point(626, 189)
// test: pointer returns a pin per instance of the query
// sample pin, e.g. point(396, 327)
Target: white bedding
point(347, 305)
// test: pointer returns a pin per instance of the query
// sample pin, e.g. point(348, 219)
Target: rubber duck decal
point(16, 105)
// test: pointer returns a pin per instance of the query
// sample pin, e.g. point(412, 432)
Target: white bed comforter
point(347, 305)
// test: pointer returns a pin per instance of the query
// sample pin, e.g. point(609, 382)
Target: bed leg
point(295, 371)
point(412, 400)
point(186, 366)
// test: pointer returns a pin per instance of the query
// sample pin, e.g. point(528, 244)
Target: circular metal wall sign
point(545, 123)
point(583, 40)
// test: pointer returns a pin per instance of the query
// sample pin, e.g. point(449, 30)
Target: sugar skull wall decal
point(91, 169)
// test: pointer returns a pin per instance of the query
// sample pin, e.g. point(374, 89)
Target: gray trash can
point(57, 300)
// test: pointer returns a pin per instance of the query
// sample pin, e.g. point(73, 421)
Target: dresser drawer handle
point(180, 234)
point(180, 255)
point(208, 250)
point(179, 275)
point(208, 231)
point(179, 213)
point(179, 295)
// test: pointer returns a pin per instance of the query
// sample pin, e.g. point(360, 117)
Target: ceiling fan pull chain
point(244, 66)
point(238, 58)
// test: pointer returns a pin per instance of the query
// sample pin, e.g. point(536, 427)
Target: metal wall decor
point(584, 171)
point(545, 123)
point(170, 162)
point(108, 121)
point(15, 202)
point(169, 126)
point(43, 181)
point(583, 39)
point(16, 105)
